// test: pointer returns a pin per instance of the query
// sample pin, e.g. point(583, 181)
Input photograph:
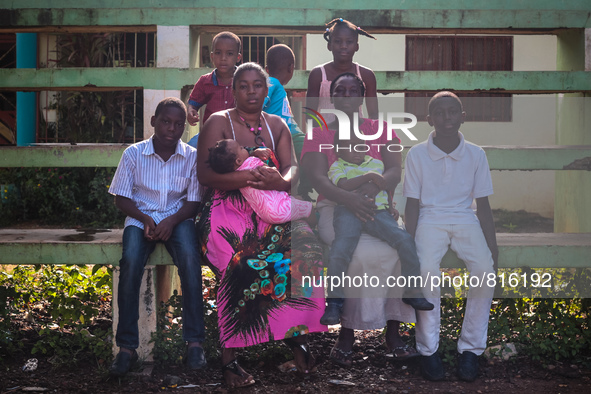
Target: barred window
point(462, 53)
point(254, 48)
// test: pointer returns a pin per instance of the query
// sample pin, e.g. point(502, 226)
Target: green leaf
point(96, 269)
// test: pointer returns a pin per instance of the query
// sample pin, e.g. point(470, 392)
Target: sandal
point(341, 357)
point(237, 370)
point(400, 353)
point(294, 345)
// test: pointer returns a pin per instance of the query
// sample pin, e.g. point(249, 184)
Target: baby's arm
point(273, 206)
point(262, 153)
point(276, 207)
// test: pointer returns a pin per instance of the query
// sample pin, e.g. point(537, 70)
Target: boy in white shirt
point(442, 177)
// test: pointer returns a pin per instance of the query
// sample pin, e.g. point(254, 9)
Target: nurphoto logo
point(394, 121)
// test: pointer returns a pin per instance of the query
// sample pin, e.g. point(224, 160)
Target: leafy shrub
point(70, 347)
point(61, 303)
point(61, 196)
point(169, 346)
point(545, 329)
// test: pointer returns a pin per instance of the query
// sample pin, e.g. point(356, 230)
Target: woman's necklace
point(258, 140)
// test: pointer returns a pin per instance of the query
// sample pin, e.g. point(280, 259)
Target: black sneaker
point(123, 363)
point(332, 315)
point(432, 367)
point(468, 367)
point(419, 304)
point(195, 358)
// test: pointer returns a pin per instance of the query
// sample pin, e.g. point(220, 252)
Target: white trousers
point(468, 241)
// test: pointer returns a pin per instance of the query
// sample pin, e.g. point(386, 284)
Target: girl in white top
point(342, 37)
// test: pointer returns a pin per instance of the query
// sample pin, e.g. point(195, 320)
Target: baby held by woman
point(272, 206)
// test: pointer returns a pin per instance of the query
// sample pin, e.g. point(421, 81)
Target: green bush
point(68, 348)
point(61, 303)
point(59, 196)
point(545, 329)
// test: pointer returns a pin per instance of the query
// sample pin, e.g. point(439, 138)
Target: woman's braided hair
point(340, 22)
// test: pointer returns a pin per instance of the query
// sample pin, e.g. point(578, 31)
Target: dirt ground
point(370, 373)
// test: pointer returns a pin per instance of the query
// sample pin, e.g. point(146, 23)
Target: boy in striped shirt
point(155, 185)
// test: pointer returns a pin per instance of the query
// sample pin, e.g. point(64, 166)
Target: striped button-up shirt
point(158, 188)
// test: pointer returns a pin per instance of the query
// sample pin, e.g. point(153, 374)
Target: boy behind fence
point(214, 90)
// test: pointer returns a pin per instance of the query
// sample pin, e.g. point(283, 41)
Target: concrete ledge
point(68, 246)
point(537, 250)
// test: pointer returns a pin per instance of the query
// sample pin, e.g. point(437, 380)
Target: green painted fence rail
point(526, 158)
point(539, 5)
point(531, 82)
point(63, 246)
point(388, 15)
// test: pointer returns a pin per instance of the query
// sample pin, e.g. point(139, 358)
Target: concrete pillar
point(148, 316)
point(173, 51)
point(173, 47)
point(572, 212)
point(26, 102)
point(151, 99)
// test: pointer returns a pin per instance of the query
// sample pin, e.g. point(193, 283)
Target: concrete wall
point(534, 117)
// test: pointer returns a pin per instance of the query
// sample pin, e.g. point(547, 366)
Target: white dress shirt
point(446, 184)
point(158, 188)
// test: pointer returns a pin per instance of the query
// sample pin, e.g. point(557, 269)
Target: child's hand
point(192, 115)
point(369, 190)
point(392, 206)
point(394, 212)
point(262, 153)
point(378, 179)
